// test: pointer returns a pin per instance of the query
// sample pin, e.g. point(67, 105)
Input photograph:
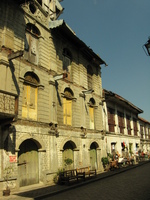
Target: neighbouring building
point(50, 94)
point(145, 135)
point(123, 126)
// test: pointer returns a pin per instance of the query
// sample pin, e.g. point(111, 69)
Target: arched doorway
point(68, 155)
point(28, 163)
point(93, 155)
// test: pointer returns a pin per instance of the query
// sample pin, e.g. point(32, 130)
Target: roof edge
point(123, 99)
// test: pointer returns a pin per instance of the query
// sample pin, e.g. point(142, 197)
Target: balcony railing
point(8, 104)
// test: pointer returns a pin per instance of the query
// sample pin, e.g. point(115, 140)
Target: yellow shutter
point(64, 110)
point(29, 102)
point(25, 101)
point(32, 97)
point(32, 112)
point(67, 111)
point(91, 112)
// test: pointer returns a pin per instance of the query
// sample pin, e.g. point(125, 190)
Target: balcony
point(8, 107)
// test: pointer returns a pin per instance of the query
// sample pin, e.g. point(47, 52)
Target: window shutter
point(91, 112)
point(64, 110)
point(69, 112)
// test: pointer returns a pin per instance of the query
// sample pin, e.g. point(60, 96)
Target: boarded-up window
point(31, 43)
point(92, 113)
point(67, 107)
point(29, 97)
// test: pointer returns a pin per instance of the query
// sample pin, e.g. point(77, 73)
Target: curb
point(101, 176)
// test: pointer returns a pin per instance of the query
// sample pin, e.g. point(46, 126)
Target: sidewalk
point(36, 193)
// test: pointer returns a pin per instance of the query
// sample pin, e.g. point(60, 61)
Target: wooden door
point(28, 163)
point(68, 154)
point(93, 157)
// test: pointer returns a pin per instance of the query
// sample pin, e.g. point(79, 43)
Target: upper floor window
point(135, 126)
point(29, 96)
point(91, 113)
point(90, 77)
point(111, 119)
point(128, 124)
point(141, 131)
point(121, 121)
point(67, 58)
point(67, 106)
point(31, 43)
point(33, 29)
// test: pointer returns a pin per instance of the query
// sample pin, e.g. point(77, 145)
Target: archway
point(93, 155)
point(68, 155)
point(28, 167)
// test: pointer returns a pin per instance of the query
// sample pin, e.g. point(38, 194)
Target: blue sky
point(116, 30)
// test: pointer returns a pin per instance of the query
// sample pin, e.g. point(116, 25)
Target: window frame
point(29, 109)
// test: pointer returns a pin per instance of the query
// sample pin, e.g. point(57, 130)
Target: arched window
point(67, 58)
point(91, 113)
point(33, 29)
point(31, 43)
point(29, 96)
point(89, 77)
point(67, 106)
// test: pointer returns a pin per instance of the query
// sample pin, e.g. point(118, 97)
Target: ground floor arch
point(28, 163)
point(68, 155)
point(93, 155)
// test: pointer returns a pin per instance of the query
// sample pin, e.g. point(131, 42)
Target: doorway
point(68, 155)
point(93, 156)
point(28, 163)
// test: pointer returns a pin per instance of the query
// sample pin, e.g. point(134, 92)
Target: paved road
point(130, 185)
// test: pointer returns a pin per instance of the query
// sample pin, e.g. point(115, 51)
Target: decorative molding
point(4, 62)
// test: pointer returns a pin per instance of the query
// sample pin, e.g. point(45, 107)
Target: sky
point(116, 30)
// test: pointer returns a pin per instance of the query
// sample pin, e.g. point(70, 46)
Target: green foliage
point(110, 155)
point(104, 161)
point(56, 178)
point(68, 161)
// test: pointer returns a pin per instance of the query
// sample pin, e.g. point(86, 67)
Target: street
point(133, 184)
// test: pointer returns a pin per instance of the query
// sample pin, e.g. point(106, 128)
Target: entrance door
point(28, 163)
point(68, 156)
point(93, 156)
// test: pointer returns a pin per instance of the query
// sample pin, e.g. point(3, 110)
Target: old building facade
point(50, 94)
point(145, 135)
point(126, 132)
